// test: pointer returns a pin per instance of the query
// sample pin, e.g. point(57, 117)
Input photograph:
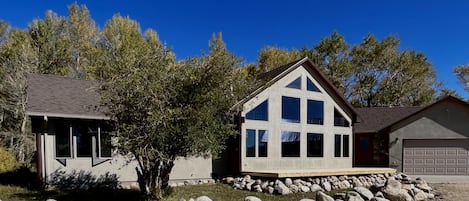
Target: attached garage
point(436, 157)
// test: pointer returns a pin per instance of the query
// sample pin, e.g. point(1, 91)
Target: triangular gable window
point(310, 86)
point(260, 112)
point(339, 119)
point(296, 84)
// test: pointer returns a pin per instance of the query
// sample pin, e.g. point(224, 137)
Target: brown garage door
point(436, 157)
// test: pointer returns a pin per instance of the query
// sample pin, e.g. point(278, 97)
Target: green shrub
point(8, 161)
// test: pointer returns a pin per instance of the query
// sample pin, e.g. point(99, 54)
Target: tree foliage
point(372, 73)
point(164, 109)
point(462, 72)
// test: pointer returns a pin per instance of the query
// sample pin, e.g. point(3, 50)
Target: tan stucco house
point(295, 122)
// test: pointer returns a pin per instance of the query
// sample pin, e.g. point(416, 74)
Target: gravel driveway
point(452, 192)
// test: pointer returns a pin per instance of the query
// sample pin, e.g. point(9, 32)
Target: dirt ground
point(451, 192)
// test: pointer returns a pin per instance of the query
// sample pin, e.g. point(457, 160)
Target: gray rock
point(430, 196)
point(394, 191)
point(346, 184)
point(378, 199)
point(257, 188)
point(354, 196)
point(182, 199)
point(192, 199)
point(237, 186)
point(294, 188)
point(249, 185)
point(264, 185)
point(326, 186)
point(247, 178)
point(252, 198)
point(306, 199)
point(304, 189)
point(379, 194)
point(315, 188)
point(339, 196)
point(424, 187)
point(364, 192)
point(320, 196)
point(50, 199)
point(288, 182)
point(420, 196)
point(270, 190)
point(258, 181)
point(282, 189)
point(203, 198)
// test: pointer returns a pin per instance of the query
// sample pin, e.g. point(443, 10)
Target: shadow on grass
point(21, 177)
point(79, 195)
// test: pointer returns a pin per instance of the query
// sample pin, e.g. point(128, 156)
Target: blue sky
point(439, 29)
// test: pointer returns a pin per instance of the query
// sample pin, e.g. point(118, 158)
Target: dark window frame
point(337, 145)
point(291, 146)
point(291, 109)
point(257, 113)
point(345, 146)
point(313, 107)
point(315, 138)
point(295, 84)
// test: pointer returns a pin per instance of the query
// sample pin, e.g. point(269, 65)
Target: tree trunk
point(153, 178)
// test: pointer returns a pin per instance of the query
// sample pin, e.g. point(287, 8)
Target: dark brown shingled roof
point(373, 119)
point(276, 71)
point(57, 96)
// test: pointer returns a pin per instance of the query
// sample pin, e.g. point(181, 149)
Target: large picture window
point(315, 114)
point(260, 112)
point(315, 145)
point(290, 109)
point(290, 144)
point(63, 145)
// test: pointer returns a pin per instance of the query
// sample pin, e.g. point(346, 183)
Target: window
point(63, 145)
point(337, 146)
point(263, 139)
point(345, 145)
point(315, 113)
point(290, 144)
point(261, 145)
point(84, 133)
point(250, 143)
point(290, 109)
point(260, 112)
point(339, 119)
point(310, 86)
point(104, 143)
point(315, 145)
point(296, 84)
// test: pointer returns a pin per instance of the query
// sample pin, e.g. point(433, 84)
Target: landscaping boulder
point(252, 198)
point(304, 189)
point(306, 199)
point(378, 199)
point(315, 187)
point(288, 182)
point(282, 189)
point(320, 196)
point(326, 186)
point(354, 196)
point(364, 192)
point(203, 198)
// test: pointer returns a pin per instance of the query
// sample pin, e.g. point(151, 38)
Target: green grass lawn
point(214, 191)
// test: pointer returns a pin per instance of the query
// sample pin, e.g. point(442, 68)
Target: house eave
point(71, 116)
